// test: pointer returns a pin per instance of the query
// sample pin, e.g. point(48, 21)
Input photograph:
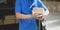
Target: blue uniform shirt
point(23, 6)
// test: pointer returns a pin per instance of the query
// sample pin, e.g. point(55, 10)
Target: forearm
point(22, 16)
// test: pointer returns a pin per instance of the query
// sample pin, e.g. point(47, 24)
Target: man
point(23, 10)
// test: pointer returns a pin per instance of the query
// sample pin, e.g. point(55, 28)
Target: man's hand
point(38, 16)
point(37, 12)
point(23, 16)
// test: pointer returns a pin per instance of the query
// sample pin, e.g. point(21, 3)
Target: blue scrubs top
point(23, 6)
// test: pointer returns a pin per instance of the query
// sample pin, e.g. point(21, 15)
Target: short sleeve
point(18, 6)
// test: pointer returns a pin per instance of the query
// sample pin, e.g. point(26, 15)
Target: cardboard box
point(38, 10)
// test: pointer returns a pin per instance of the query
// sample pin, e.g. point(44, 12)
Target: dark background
point(7, 9)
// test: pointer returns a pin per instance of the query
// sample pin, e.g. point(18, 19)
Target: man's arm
point(22, 16)
point(18, 9)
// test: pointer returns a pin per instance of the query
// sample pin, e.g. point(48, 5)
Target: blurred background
point(8, 21)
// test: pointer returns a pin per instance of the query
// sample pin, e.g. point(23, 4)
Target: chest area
point(27, 3)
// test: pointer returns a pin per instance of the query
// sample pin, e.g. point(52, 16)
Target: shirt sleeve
point(18, 6)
